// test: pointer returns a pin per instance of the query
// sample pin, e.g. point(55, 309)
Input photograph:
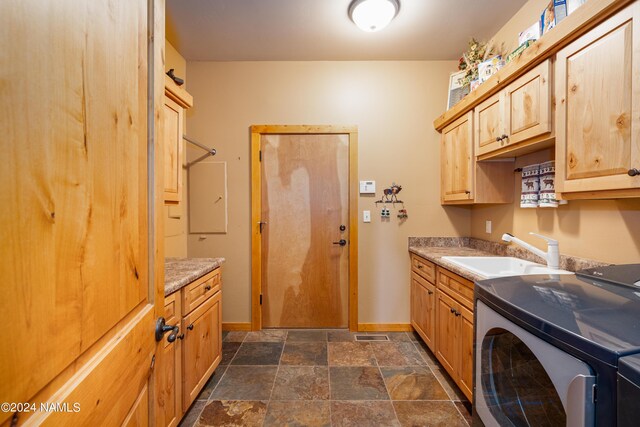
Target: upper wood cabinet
point(517, 119)
point(175, 102)
point(598, 97)
point(466, 181)
point(457, 160)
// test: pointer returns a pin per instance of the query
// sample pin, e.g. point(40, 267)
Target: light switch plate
point(487, 227)
point(367, 187)
point(366, 216)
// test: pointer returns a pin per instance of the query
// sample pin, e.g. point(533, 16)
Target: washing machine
point(548, 347)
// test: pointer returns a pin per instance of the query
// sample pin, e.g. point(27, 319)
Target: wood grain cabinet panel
point(516, 120)
point(442, 314)
point(457, 161)
point(169, 379)
point(423, 309)
point(465, 180)
point(202, 346)
point(176, 100)
point(598, 97)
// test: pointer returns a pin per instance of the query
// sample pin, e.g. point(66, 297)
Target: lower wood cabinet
point(202, 347)
point(442, 314)
point(185, 365)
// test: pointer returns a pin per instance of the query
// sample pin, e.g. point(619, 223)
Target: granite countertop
point(179, 272)
point(434, 248)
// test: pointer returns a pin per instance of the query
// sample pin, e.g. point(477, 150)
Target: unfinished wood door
point(423, 305)
point(598, 105)
point(457, 160)
point(447, 345)
point(528, 105)
point(489, 123)
point(305, 200)
point(79, 298)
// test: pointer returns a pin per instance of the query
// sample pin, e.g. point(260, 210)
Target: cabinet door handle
point(190, 327)
point(457, 313)
point(467, 191)
point(453, 310)
point(420, 266)
point(633, 172)
point(498, 138)
point(430, 292)
point(207, 287)
point(504, 137)
point(181, 336)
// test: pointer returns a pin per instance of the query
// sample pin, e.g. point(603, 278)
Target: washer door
point(521, 380)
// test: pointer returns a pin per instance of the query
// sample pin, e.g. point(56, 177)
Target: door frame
point(256, 212)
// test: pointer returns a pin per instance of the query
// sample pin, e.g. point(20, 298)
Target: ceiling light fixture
point(373, 15)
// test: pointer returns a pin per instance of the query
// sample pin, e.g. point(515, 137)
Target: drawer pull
point(190, 327)
point(420, 266)
point(430, 292)
point(457, 313)
point(181, 336)
point(453, 310)
point(634, 172)
point(207, 287)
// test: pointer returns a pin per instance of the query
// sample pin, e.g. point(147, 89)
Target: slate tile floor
point(326, 378)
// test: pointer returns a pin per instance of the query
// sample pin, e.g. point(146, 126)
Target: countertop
point(434, 248)
point(179, 272)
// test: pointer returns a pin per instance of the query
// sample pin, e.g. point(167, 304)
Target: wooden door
point(457, 160)
point(465, 320)
point(202, 346)
point(305, 201)
point(489, 123)
point(598, 96)
point(79, 293)
point(447, 344)
point(528, 105)
point(173, 151)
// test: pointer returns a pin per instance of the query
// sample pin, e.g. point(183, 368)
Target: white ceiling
point(285, 30)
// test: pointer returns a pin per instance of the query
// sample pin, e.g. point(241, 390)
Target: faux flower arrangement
point(475, 54)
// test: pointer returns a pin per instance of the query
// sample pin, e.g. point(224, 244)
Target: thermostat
point(367, 187)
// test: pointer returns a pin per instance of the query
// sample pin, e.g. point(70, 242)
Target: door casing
point(256, 212)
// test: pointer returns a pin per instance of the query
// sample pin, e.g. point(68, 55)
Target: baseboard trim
point(384, 327)
point(229, 326)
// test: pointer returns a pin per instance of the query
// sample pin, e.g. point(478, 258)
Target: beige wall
point(606, 230)
point(392, 103)
point(175, 221)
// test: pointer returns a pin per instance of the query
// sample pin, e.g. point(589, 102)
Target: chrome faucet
point(553, 252)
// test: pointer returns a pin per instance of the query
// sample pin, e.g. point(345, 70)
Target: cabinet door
point(423, 309)
point(173, 122)
point(457, 160)
point(528, 105)
point(465, 319)
point(488, 118)
point(169, 379)
point(597, 92)
point(447, 346)
point(202, 346)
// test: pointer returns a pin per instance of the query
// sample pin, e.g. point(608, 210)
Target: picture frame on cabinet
point(457, 89)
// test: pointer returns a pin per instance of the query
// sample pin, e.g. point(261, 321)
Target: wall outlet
point(487, 227)
point(366, 216)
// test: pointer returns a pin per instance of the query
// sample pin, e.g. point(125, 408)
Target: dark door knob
point(162, 328)
point(340, 242)
point(633, 172)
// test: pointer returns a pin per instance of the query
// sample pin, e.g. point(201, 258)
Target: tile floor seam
point(273, 386)
point(387, 388)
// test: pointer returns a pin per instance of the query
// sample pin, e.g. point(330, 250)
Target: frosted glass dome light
point(373, 15)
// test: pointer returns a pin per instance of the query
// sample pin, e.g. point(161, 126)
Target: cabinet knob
point(453, 310)
point(420, 266)
point(430, 292)
point(498, 139)
point(190, 327)
point(633, 172)
point(181, 336)
point(457, 313)
point(207, 287)
point(504, 137)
